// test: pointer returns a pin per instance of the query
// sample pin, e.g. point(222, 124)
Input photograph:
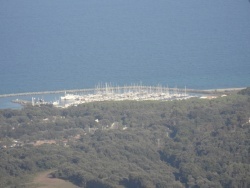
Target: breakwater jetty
point(124, 88)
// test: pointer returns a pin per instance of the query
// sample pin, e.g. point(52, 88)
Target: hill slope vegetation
point(191, 143)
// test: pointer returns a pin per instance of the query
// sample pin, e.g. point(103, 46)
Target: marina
point(91, 90)
point(108, 92)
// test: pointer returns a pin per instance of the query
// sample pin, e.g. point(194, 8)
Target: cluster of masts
point(107, 92)
point(109, 89)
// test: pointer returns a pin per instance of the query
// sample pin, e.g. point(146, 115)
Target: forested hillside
point(189, 143)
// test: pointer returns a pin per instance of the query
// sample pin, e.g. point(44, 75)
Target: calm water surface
point(56, 45)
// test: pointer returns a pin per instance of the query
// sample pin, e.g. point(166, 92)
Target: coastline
point(219, 90)
point(6, 100)
point(225, 89)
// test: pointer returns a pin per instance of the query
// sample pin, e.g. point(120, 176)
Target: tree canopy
point(190, 143)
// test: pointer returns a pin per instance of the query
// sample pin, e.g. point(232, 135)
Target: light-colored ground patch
point(40, 142)
point(43, 180)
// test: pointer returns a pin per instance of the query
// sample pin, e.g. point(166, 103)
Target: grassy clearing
point(42, 180)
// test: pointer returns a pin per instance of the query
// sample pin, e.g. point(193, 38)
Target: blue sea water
point(59, 44)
